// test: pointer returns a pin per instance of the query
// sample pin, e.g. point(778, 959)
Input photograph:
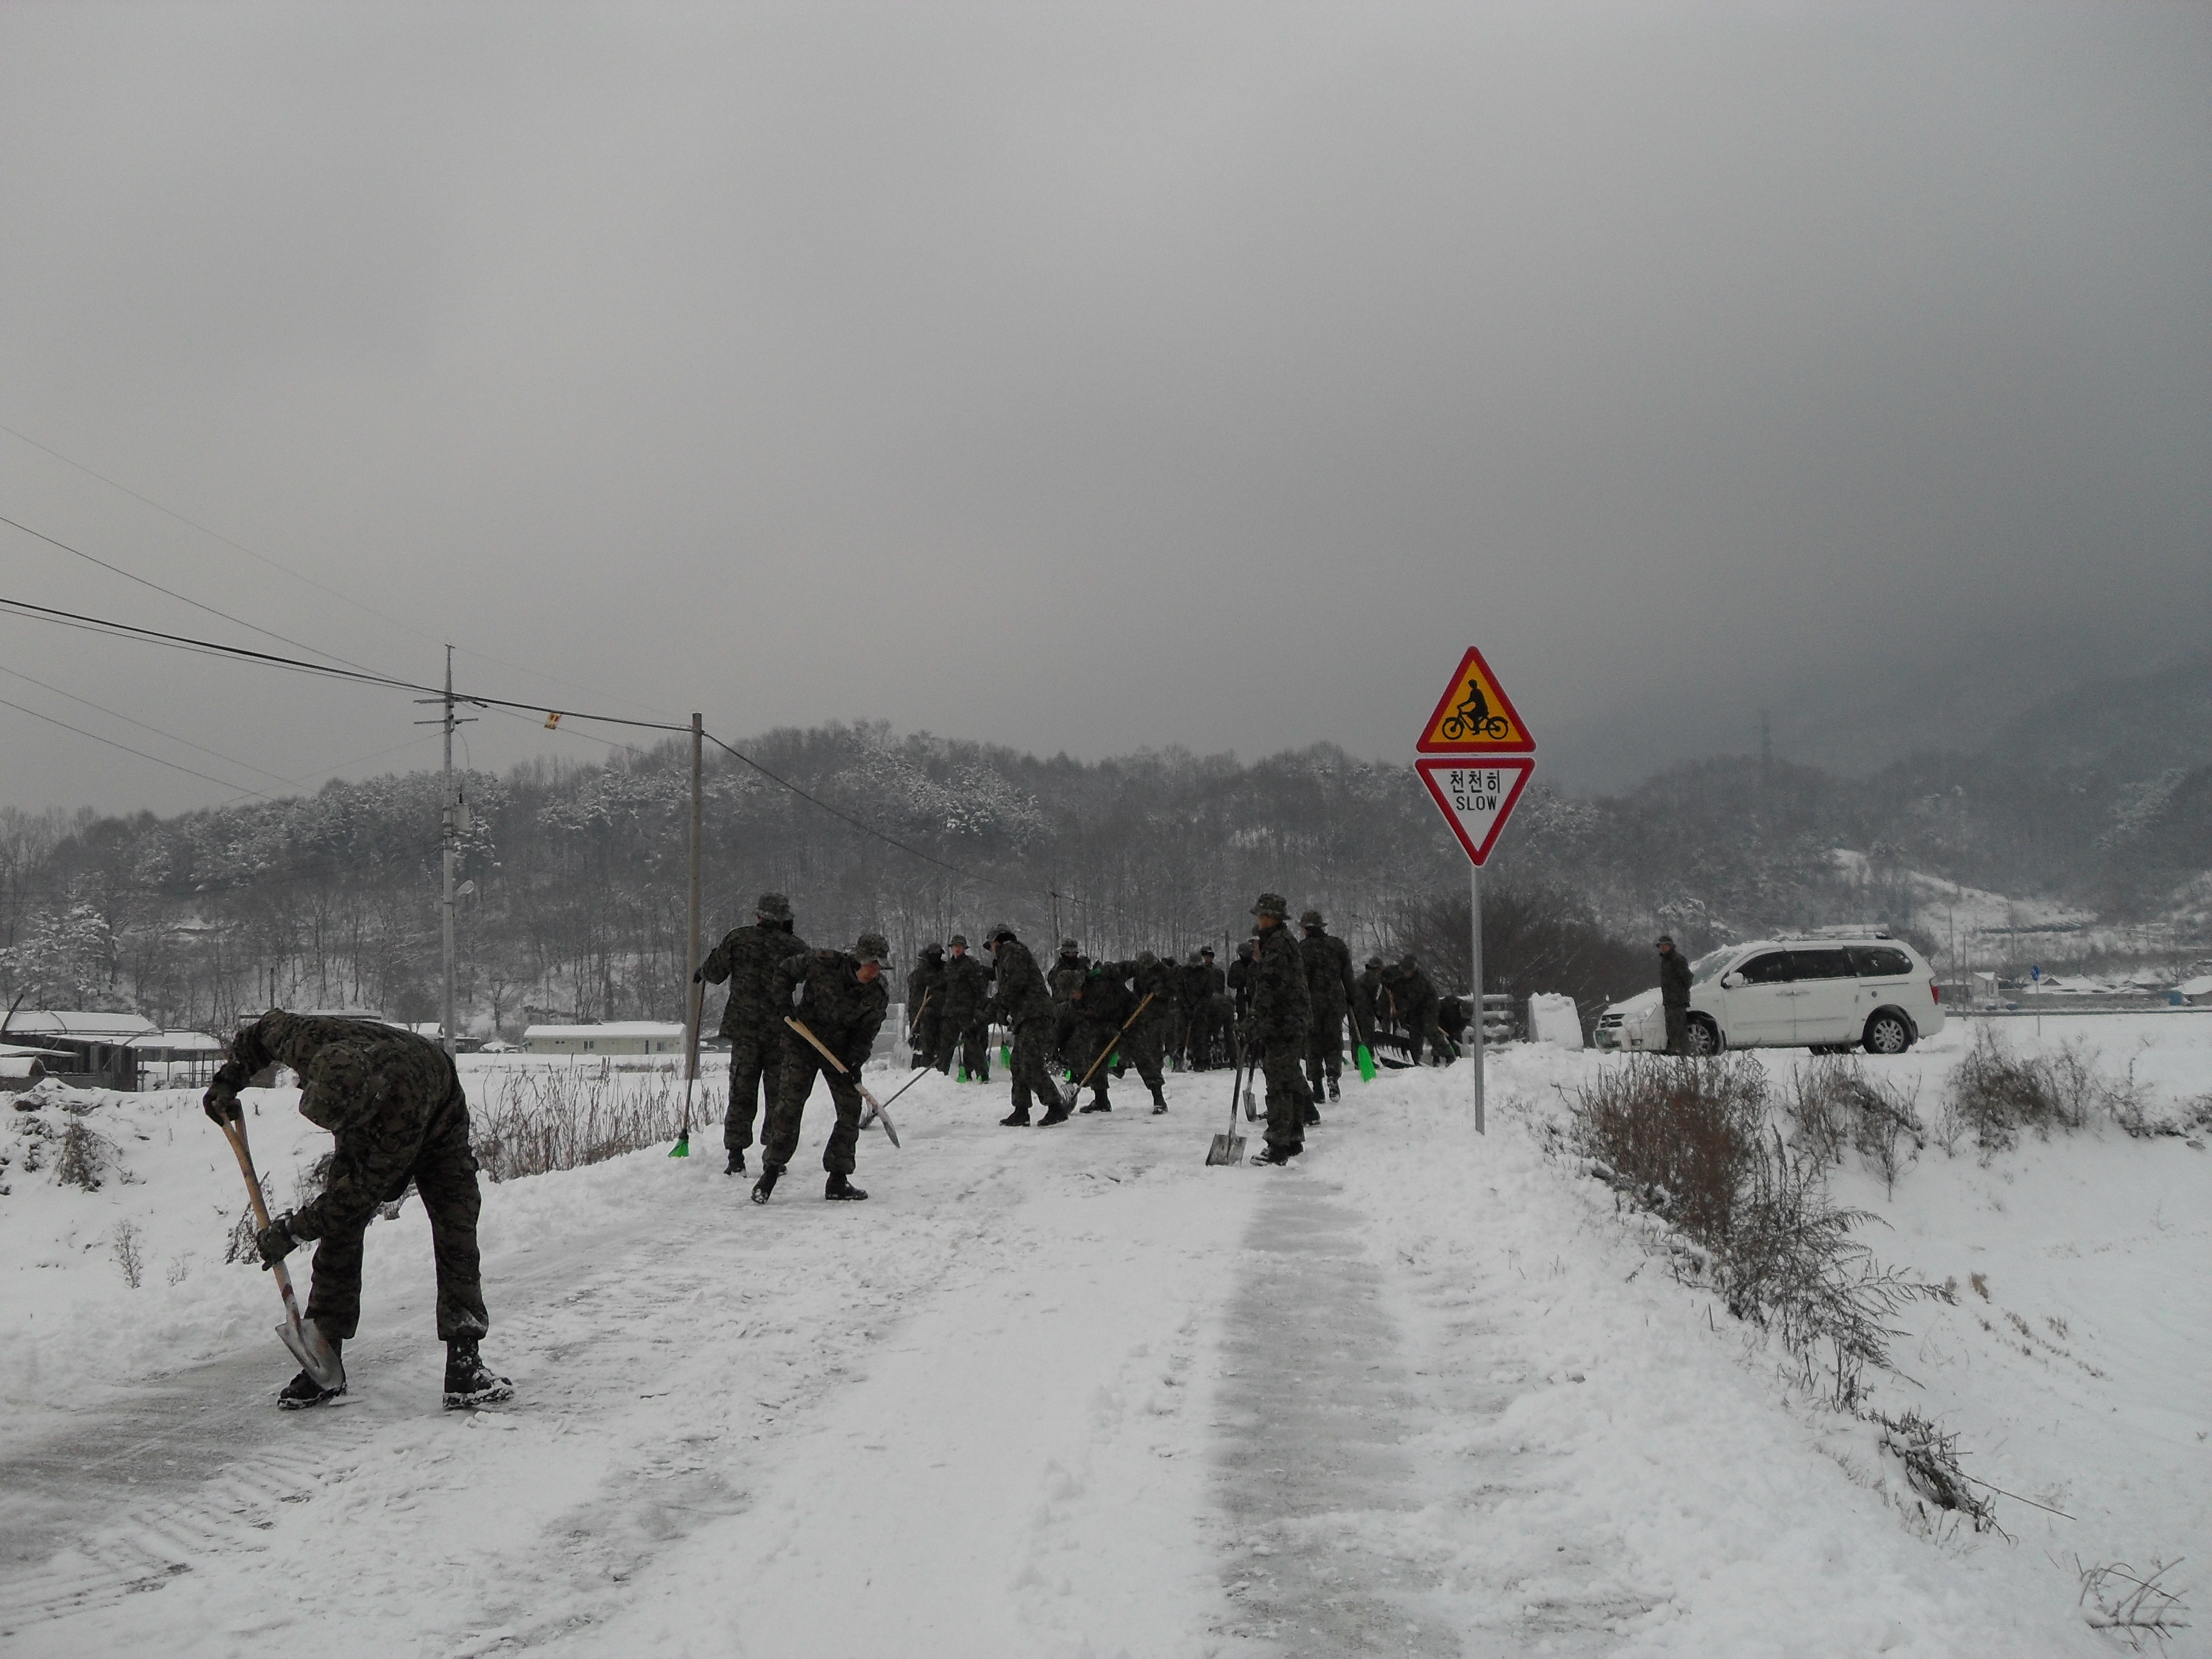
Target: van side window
point(1880, 962)
point(1771, 968)
point(1834, 963)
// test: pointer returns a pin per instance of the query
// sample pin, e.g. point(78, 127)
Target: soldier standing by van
point(1674, 994)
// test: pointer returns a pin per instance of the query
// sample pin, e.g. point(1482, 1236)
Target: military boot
point(303, 1391)
point(1335, 1094)
point(1098, 1103)
point(469, 1381)
point(1159, 1101)
point(1017, 1119)
point(1059, 1114)
point(737, 1164)
point(1313, 1114)
point(766, 1184)
point(840, 1187)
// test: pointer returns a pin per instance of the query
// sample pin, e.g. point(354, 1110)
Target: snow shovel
point(1229, 1148)
point(875, 1107)
point(305, 1340)
point(1110, 1047)
point(683, 1146)
point(1365, 1056)
point(1251, 1106)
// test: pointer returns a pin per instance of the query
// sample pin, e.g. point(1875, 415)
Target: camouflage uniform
point(752, 1020)
point(1205, 989)
point(846, 1014)
point(925, 1004)
point(396, 1107)
point(1329, 983)
point(1155, 1030)
point(1280, 1014)
point(966, 1026)
point(1026, 1010)
point(1452, 1019)
point(1237, 993)
point(1415, 999)
point(1065, 976)
point(1105, 1003)
point(1366, 991)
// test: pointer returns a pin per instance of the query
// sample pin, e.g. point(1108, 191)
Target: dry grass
point(2133, 1605)
point(1833, 1105)
point(1687, 1140)
point(529, 1123)
point(1682, 1135)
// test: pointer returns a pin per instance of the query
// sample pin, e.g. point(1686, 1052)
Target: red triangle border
point(1523, 765)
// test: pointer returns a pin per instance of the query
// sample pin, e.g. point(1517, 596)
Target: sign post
point(1486, 759)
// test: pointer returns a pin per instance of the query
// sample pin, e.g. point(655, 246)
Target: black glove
point(275, 1242)
point(221, 1103)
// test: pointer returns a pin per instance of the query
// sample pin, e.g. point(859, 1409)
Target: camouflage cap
point(1271, 904)
point(960, 940)
point(1068, 947)
point(997, 930)
point(1195, 960)
point(1202, 950)
point(1374, 962)
point(872, 947)
point(1248, 947)
point(1146, 959)
point(933, 949)
point(1311, 919)
point(773, 907)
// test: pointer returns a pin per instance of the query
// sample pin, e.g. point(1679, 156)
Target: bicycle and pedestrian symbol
point(1474, 715)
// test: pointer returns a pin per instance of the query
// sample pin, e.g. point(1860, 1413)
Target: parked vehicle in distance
point(1828, 992)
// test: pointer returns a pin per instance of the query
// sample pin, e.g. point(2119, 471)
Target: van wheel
point(1703, 1036)
point(1887, 1033)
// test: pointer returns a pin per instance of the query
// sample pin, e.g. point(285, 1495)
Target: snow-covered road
point(1064, 1392)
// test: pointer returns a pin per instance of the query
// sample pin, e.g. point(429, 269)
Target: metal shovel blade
point(1226, 1149)
point(314, 1355)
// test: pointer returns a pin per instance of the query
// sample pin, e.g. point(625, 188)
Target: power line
point(171, 592)
point(366, 676)
point(300, 576)
point(223, 783)
point(227, 760)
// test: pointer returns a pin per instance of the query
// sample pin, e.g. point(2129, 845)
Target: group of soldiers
point(795, 1014)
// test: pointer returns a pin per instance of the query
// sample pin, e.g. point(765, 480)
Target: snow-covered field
point(1072, 1392)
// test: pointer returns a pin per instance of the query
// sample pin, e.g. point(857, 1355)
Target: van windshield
point(1709, 965)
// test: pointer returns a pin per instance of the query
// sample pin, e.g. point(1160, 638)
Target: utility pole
point(449, 832)
point(1481, 1007)
point(452, 819)
point(698, 1000)
point(1766, 746)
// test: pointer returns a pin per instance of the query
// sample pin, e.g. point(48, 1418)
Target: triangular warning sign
point(1474, 716)
point(1477, 797)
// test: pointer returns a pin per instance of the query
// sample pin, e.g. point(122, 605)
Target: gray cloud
point(1087, 379)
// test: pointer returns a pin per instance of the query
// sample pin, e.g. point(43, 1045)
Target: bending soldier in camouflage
point(394, 1104)
point(1105, 1003)
point(1026, 1010)
point(966, 1027)
point(925, 1003)
point(1279, 1018)
point(748, 958)
point(1415, 999)
point(1329, 983)
point(843, 1001)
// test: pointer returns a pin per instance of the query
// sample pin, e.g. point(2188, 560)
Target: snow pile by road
point(1071, 1392)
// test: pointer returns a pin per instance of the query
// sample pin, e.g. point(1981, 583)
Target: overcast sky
point(1091, 378)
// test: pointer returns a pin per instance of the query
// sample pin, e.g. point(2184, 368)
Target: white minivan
point(1826, 994)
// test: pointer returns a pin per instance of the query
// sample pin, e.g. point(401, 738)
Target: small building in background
point(620, 1037)
point(176, 1060)
point(98, 1044)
